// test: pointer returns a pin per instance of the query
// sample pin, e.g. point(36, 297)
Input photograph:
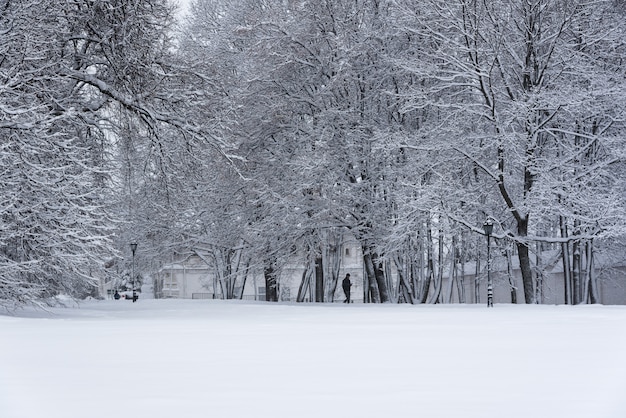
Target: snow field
point(188, 359)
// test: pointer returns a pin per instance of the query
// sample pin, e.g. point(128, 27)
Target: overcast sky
point(183, 5)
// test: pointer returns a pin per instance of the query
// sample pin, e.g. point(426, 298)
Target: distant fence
point(204, 296)
point(258, 297)
point(219, 296)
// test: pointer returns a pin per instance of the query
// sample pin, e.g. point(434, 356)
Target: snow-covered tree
point(528, 93)
point(67, 71)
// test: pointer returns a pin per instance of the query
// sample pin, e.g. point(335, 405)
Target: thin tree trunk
point(319, 280)
point(392, 291)
point(539, 281)
point(439, 275)
point(244, 280)
point(367, 298)
point(452, 273)
point(304, 284)
point(418, 272)
point(401, 291)
point(476, 281)
point(509, 269)
point(461, 279)
point(567, 277)
point(576, 279)
point(461, 283)
point(593, 282)
point(405, 290)
point(429, 265)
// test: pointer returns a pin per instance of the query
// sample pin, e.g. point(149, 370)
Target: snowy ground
point(188, 359)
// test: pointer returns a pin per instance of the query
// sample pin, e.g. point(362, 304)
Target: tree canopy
point(254, 132)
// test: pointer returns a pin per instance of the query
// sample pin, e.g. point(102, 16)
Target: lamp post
point(133, 248)
point(488, 228)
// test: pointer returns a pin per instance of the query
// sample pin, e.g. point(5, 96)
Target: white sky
point(193, 359)
point(183, 5)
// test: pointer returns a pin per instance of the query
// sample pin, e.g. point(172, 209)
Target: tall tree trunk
point(428, 279)
point(476, 281)
point(461, 279)
point(576, 279)
point(567, 277)
point(381, 280)
point(405, 290)
point(592, 280)
point(539, 280)
point(304, 285)
point(367, 294)
point(524, 261)
point(319, 280)
point(436, 296)
point(417, 270)
point(244, 280)
point(392, 290)
point(429, 265)
point(370, 271)
point(271, 283)
point(332, 262)
point(460, 265)
point(452, 273)
point(509, 268)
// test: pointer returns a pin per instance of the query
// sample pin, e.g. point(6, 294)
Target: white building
point(193, 278)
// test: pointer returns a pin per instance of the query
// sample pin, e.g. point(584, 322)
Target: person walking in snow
point(345, 284)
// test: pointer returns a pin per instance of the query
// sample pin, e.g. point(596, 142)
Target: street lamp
point(488, 228)
point(133, 248)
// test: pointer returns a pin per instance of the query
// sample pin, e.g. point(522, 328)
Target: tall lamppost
point(133, 248)
point(488, 227)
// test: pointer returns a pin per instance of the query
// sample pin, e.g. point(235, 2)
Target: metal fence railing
point(219, 296)
point(207, 295)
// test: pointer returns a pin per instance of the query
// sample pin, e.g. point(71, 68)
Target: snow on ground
point(188, 359)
